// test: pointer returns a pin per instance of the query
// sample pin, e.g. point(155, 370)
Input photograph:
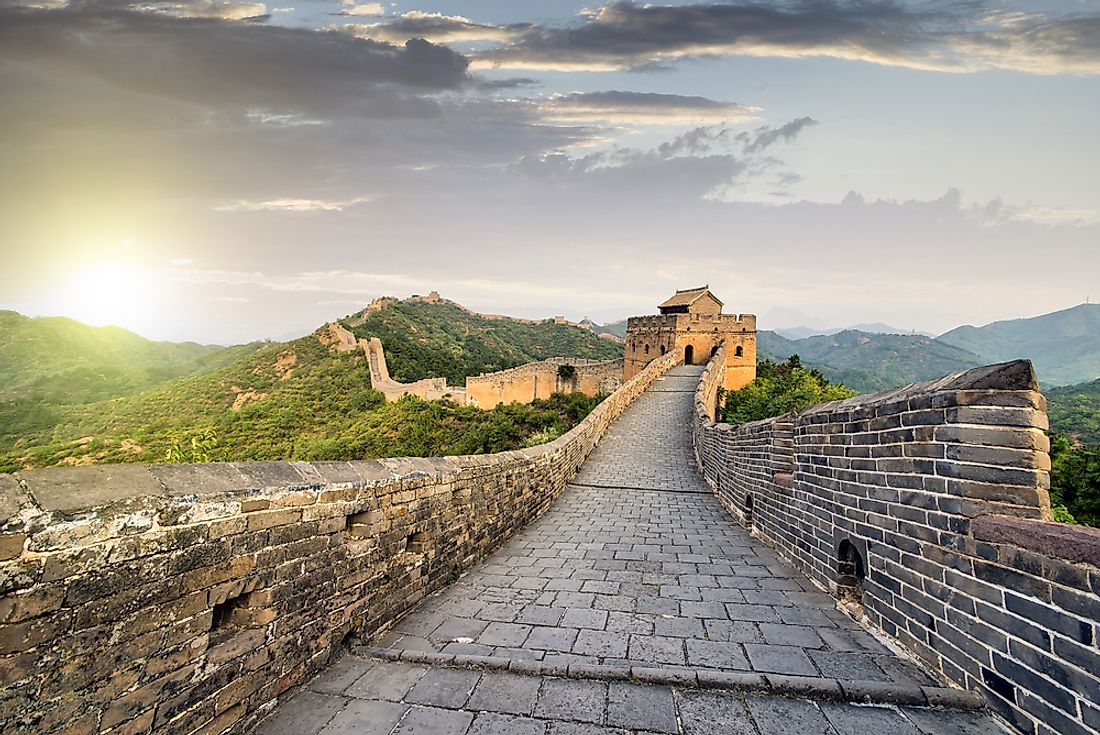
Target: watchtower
point(692, 322)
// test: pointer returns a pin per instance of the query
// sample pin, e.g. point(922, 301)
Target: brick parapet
point(188, 598)
point(941, 490)
point(540, 379)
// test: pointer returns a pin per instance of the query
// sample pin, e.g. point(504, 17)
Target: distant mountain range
point(874, 328)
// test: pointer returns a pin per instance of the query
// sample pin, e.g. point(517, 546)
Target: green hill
point(299, 400)
point(870, 362)
point(1063, 345)
point(58, 360)
point(429, 339)
point(1075, 411)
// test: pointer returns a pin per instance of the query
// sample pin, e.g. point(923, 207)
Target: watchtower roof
point(681, 300)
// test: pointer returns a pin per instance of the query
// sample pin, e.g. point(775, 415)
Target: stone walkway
point(635, 571)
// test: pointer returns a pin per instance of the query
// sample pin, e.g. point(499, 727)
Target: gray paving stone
point(641, 707)
point(707, 713)
point(504, 634)
point(575, 728)
point(941, 722)
point(572, 699)
point(779, 659)
point(847, 718)
point(839, 665)
point(552, 639)
point(656, 649)
point(600, 643)
point(585, 618)
point(454, 628)
point(386, 680)
point(504, 692)
point(785, 716)
point(790, 635)
point(443, 687)
point(339, 676)
point(304, 714)
point(493, 724)
point(716, 655)
point(366, 717)
point(434, 721)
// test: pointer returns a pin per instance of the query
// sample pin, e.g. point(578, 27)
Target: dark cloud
point(945, 37)
point(232, 65)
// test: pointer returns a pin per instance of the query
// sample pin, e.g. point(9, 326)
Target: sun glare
point(108, 295)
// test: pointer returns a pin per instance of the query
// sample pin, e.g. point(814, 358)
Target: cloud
point(308, 206)
point(764, 137)
point(209, 9)
point(435, 27)
point(642, 108)
point(628, 35)
point(350, 8)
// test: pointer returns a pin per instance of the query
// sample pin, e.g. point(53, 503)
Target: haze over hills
point(873, 328)
point(1064, 345)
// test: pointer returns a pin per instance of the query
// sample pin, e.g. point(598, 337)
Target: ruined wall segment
point(925, 509)
point(189, 598)
point(430, 389)
point(525, 383)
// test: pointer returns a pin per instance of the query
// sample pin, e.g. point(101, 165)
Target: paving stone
point(600, 643)
point(848, 718)
point(304, 714)
point(434, 721)
point(716, 655)
point(503, 692)
point(455, 628)
point(641, 707)
point(575, 728)
point(656, 649)
point(552, 639)
point(946, 722)
point(847, 665)
point(790, 635)
point(388, 680)
point(786, 716)
point(540, 615)
point(493, 724)
point(706, 713)
point(504, 634)
point(339, 676)
point(572, 699)
point(366, 717)
point(585, 618)
point(779, 659)
point(443, 687)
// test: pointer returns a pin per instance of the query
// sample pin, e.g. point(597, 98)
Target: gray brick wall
point(904, 478)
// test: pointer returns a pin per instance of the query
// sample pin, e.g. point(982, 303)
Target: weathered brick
point(270, 519)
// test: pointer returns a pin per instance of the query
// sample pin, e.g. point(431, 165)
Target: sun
point(109, 294)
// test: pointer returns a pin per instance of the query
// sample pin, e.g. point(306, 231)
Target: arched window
point(714, 350)
point(663, 349)
point(739, 352)
point(647, 349)
point(689, 355)
point(850, 571)
point(748, 510)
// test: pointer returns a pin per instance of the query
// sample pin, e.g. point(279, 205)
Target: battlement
point(541, 379)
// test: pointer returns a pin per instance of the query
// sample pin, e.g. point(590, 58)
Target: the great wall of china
point(193, 598)
point(188, 598)
point(929, 505)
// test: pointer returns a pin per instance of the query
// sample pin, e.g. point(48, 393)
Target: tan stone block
point(210, 576)
point(270, 519)
point(248, 506)
point(11, 545)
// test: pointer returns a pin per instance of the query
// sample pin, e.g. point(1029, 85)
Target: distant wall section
point(541, 379)
point(430, 389)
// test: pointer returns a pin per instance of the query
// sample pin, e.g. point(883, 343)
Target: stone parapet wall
point(927, 507)
point(430, 389)
point(188, 598)
point(525, 383)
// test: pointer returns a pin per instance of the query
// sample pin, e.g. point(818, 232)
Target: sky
point(229, 171)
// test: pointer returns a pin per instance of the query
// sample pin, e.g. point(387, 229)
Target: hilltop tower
point(692, 323)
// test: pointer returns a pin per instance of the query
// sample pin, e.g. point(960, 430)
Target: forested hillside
point(425, 340)
point(870, 362)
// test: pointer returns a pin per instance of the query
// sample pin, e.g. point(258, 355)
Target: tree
point(1074, 481)
point(779, 389)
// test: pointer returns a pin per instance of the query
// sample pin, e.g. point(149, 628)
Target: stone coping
point(1075, 544)
point(839, 690)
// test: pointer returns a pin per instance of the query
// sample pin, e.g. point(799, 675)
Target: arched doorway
point(851, 570)
point(689, 355)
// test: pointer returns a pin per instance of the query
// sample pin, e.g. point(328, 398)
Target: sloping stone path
point(636, 573)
